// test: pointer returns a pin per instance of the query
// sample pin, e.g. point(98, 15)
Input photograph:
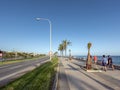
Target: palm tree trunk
point(88, 64)
point(65, 52)
point(62, 53)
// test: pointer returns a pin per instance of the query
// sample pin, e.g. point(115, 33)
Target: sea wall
point(99, 62)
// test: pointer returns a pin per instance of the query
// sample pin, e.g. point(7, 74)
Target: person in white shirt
point(104, 63)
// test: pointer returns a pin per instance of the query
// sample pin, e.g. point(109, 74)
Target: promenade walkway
point(73, 77)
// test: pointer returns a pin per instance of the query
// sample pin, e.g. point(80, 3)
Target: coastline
point(99, 62)
point(116, 59)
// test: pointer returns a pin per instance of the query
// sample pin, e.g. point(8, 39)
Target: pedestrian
point(95, 62)
point(110, 62)
point(104, 63)
point(95, 59)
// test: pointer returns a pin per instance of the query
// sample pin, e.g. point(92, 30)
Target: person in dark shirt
point(110, 62)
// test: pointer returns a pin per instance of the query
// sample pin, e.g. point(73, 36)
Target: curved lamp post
point(38, 19)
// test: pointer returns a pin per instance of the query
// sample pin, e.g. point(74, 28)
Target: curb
point(55, 85)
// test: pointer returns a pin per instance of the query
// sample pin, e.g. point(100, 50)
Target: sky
point(78, 21)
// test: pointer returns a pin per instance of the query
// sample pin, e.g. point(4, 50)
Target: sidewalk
point(72, 77)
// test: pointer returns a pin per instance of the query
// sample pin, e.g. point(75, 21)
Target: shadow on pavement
point(106, 86)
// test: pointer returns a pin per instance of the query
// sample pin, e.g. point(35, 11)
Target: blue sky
point(80, 21)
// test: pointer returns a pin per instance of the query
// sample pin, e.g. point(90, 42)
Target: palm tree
point(65, 44)
point(69, 52)
point(70, 57)
point(61, 48)
point(56, 53)
point(89, 62)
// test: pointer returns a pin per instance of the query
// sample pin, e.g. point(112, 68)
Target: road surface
point(11, 71)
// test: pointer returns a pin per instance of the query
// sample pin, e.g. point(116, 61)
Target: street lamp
point(38, 19)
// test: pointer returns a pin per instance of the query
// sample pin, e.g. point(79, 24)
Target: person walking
point(104, 63)
point(95, 59)
point(110, 62)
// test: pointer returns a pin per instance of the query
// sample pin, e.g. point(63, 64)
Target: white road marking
point(27, 69)
point(13, 74)
point(16, 67)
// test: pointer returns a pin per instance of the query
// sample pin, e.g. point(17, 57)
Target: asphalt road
point(12, 71)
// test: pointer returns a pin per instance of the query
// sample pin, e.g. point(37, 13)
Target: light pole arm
point(38, 19)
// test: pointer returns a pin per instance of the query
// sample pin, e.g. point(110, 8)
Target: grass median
point(38, 79)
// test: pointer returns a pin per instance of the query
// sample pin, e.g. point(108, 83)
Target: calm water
point(116, 59)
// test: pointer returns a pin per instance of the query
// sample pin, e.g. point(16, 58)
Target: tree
point(61, 48)
point(69, 52)
point(65, 45)
point(56, 53)
point(89, 62)
point(70, 57)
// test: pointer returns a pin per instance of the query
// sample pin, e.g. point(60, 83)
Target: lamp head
point(38, 19)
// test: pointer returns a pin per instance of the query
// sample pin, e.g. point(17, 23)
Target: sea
point(116, 59)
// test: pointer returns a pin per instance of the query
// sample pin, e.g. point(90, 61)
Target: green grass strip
point(38, 79)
